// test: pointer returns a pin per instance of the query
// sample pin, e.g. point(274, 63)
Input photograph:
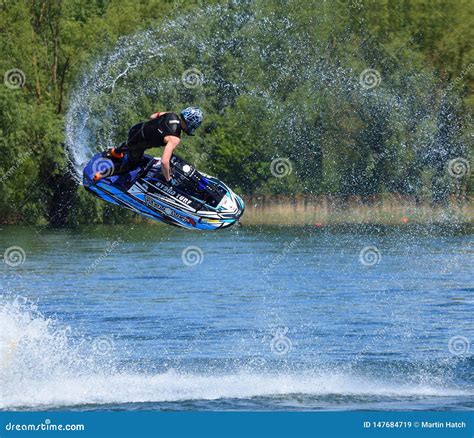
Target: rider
point(163, 129)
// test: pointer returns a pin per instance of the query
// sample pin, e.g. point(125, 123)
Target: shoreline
point(300, 210)
point(324, 210)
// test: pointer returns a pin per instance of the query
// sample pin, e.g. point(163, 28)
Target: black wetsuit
point(147, 135)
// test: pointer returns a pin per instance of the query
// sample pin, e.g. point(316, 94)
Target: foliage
point(295, 102)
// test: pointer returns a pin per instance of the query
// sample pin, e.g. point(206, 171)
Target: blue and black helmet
point(193, 118)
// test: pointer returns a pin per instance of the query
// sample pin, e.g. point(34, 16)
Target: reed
point(325, 210)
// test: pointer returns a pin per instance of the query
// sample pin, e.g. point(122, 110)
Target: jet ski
point(195, 201)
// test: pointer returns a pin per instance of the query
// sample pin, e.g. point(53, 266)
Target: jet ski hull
point(197, 202)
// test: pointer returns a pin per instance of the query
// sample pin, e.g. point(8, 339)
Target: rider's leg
point(129, 161)
point(133, 159)
point(135, 136)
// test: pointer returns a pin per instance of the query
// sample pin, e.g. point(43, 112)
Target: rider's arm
point(171, 142)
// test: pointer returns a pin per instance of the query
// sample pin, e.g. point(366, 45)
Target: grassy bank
point(388, 210)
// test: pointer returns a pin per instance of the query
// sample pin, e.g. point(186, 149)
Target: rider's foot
point(115, 154)
point(112, 153)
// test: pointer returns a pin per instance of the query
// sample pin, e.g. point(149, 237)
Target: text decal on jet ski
point(168, 211)
point(172, 192)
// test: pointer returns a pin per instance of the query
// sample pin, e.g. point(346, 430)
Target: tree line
point(344, 98)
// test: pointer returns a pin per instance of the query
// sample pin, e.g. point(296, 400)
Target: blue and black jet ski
point(196, 201)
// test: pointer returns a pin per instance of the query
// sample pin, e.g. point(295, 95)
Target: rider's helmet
point(193, 118)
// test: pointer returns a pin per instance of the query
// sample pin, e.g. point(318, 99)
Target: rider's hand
point(173, 181)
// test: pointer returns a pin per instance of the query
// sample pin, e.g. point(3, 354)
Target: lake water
point(304, 318)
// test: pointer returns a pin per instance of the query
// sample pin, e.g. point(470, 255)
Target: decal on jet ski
point(172, 192)
point(168, 211)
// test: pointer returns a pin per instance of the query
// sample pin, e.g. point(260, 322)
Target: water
point(152, 317)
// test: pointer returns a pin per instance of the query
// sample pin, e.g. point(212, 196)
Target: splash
point(264, 67)
point(36, 350)
point(45, 364)
point(153, 66)
point(172, 386)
